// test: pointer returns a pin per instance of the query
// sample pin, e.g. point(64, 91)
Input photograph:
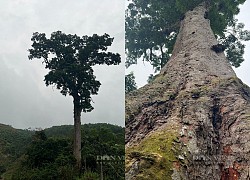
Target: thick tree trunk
point(77, 134)
point(193, 120)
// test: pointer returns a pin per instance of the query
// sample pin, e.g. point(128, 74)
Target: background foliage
point(130, 84)
point(152, 26)
point(48, 155)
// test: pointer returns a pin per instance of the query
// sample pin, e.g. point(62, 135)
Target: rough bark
point(193, 120)
point(77, 134)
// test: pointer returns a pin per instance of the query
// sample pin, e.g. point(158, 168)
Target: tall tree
point(192, 121)
point(152, 27)
point(70, 59)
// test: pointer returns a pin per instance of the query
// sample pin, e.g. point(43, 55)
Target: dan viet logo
point(110, 159)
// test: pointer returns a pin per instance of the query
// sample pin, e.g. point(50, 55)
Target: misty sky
point(25, 100)
point(143, 69)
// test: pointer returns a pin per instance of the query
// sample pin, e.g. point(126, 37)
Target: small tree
point(130, 84)
point(70, 59)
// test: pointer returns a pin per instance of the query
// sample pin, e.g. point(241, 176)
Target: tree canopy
point(70, 59)
point(152, 27)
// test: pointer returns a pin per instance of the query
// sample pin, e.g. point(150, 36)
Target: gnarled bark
point(193, 120)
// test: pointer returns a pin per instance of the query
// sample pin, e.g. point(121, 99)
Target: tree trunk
point(163, 61)
point(193, 120)
point(77, 134)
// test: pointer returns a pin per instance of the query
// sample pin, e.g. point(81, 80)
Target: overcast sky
point(142, 70)
point(25, 101)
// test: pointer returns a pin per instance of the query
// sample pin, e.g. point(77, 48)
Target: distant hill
point(97, 139)
point(12, 144)
point(11, 137)
point(67, 130)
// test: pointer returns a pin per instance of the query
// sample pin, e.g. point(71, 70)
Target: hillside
point(12, 143)
point(30, 154)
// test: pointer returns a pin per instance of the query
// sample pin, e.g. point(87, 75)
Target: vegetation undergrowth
point(48, 155)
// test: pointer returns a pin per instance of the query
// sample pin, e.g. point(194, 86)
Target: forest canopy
point(152, 27)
